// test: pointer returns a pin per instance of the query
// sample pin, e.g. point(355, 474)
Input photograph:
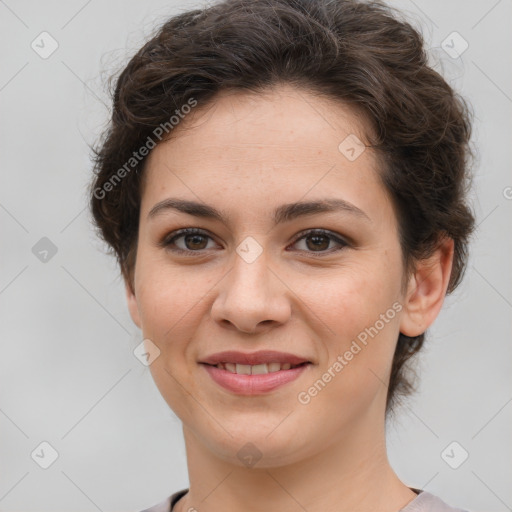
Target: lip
point(260, 357)
point(253, 384)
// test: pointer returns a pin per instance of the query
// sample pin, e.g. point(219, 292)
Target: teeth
point(230, 367)
point(274, 367)
point(243, 369)
point(256, 369)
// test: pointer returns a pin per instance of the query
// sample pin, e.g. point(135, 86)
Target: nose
point(252, 297)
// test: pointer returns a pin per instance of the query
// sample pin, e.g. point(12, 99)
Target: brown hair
point(359, 53)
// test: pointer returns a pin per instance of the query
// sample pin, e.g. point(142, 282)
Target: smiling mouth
point(256, 369)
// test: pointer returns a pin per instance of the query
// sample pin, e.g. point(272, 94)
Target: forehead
point(286, 112)
point(283, 118)
point(292, 140)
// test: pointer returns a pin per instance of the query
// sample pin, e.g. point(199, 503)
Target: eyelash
point(168, 241)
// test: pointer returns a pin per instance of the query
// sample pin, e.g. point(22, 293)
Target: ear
point(427, 289)
point(132, 304)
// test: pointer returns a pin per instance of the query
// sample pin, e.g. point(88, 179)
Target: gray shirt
point(424, 502)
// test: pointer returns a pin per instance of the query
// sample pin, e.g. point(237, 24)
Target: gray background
point(68, 374)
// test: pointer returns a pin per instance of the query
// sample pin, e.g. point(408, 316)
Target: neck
point(351, 473)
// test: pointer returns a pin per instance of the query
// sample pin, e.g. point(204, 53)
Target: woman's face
point(255, 280)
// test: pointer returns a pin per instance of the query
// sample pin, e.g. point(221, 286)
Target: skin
point(247, 154)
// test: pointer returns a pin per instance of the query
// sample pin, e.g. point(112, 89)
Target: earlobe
point(427, 289)
point(132, 304)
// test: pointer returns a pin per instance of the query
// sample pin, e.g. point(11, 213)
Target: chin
point(259, 448)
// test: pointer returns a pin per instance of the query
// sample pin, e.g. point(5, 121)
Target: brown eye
point(319, 241)
point(187, 240)
point(195, 241)
point(192, 240)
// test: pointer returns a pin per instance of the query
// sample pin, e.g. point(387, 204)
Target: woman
point(283, 183)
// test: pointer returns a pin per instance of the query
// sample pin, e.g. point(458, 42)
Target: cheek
point(170, 304)
point(169, 298)
point(360, 311)
point(355, 298)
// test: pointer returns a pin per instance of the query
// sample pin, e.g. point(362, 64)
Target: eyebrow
point(283, 213)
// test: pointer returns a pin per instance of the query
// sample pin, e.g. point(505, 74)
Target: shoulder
point(427, 502)
point(167, 504)
point(424, 502)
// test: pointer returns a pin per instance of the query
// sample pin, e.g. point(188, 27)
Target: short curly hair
point(361, 54)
